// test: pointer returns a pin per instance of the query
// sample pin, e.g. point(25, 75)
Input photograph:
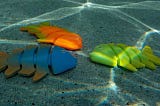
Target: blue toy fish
point(37, 61)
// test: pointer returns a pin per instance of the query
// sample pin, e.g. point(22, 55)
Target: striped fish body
point(37, 61)
point(128, 57)
point(54, 35)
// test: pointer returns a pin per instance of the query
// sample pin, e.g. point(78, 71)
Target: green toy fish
point(128, 57)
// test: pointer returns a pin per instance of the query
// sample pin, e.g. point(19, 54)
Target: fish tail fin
point(32, 30)
point(3, 58)
point(27, 28)
point(45, 40)
point(34, 27)
point(147, 51)
point(44, 24)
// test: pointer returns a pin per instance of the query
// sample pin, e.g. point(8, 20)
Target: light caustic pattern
point(117, 89)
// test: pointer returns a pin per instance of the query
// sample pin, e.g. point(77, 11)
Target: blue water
point(132, 22)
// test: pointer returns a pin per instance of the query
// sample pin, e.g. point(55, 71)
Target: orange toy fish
point(55, 35)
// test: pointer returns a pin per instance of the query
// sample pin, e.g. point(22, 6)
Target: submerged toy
point(55, 35)
point(125, 56)
point(37, 61)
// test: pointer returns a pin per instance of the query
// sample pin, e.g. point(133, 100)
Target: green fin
point(147, 49)
point(33, 31)
point(128, 66)
point(44, 24)
point(45, 40)
point(153, 58)
point(147, 62)
point(28, 28)
point(40, 35)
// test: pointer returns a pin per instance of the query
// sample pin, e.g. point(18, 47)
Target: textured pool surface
point(132, 22)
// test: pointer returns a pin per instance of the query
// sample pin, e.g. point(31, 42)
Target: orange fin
point(3, 58)
point(38, 76)
point(11, 71)
point(26, 72)
point(3, 67)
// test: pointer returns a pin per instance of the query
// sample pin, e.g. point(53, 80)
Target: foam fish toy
point(55, 35)
point(37, 61)
point(128, 57)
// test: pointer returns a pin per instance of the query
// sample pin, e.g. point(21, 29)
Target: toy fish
point(128, 57)
point(55, 35)
point(37, 61)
